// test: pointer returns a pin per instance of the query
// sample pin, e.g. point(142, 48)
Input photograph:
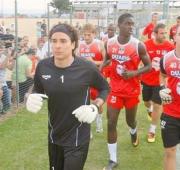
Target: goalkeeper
point(65, 81)
point(170, 96)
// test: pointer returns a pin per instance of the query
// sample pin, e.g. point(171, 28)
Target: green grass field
point(23, 144)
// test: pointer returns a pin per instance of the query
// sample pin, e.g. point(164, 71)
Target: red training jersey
point(148, 30)
point(155, 51)
point(92, 50)
point(172, 32)
point(123, 57)
point(171, 65)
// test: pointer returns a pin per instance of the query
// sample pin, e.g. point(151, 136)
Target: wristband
point(162, 86)
point(96, 106)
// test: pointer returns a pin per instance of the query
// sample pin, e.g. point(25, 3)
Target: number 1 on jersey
point(62, 78)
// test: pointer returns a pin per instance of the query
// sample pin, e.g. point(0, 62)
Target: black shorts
point(170, 130)
point(67, 157)
point(151, 93)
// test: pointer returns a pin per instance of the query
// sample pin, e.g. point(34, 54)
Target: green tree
point(61, 6)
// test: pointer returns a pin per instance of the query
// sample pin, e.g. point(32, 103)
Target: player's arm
point(165, 93)
point(106, 58)
point(145, 61)
point(88, 113)
point(103, 52)
point(171, 34)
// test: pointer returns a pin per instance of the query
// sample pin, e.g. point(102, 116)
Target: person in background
point(148, 30)
point(170, 96)
point(156, 48)
point(125, 53)
point(173, 29)
point(6, 101)
point(93, 50)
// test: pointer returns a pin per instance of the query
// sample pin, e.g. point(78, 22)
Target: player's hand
point(128, 74)
point(34, 102)
point(165, 95)
point(86, 113)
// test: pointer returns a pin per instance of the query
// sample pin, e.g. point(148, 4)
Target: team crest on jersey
point(173, 65)
point(87, 50)
point(121, 50)
point(46, 77)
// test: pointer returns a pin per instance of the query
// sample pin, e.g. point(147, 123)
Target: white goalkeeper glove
point(165, 95)
point(34, 102)
point(86, 113)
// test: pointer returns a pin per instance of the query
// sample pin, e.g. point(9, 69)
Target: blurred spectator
point(24, 66)
point(43, 28)
point(38, 29)
point(148, 30)
point(173, 29)
point(40, 54)
point(6, 101)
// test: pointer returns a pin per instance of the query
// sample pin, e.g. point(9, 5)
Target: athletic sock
point(132, 131)
point(152, 128)
point(150, 109)
point(113, 151)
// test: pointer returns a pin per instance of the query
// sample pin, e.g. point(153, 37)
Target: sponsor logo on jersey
point(120, 58)
point(87, 55)
point(175, 73)
point(46, 77)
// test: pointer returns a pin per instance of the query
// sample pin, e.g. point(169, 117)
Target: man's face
point(160, 36)
point(178, 22)
point(155, 18)
point(88, 36)
point(110, 31)
point(61, 45)
point(127, 26)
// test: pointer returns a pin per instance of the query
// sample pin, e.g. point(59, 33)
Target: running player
point(125, 53)
point(65, 79)
point(148, 30)
point(170, 95)
point(110, 34)
point(173, 29)
point(156, 48)
point(93, 50)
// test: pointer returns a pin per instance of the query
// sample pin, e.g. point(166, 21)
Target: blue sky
point(24, 6)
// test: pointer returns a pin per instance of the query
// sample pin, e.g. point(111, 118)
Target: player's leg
point(170, 131)
point(131, 105)
point(170, 158)
point(146, 95)
point(157, 110)
point(113, 109)
point(56, 157)
point(99, 124)
point(75, 157)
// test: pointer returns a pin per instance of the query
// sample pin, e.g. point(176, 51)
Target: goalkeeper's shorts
point(67, 157)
